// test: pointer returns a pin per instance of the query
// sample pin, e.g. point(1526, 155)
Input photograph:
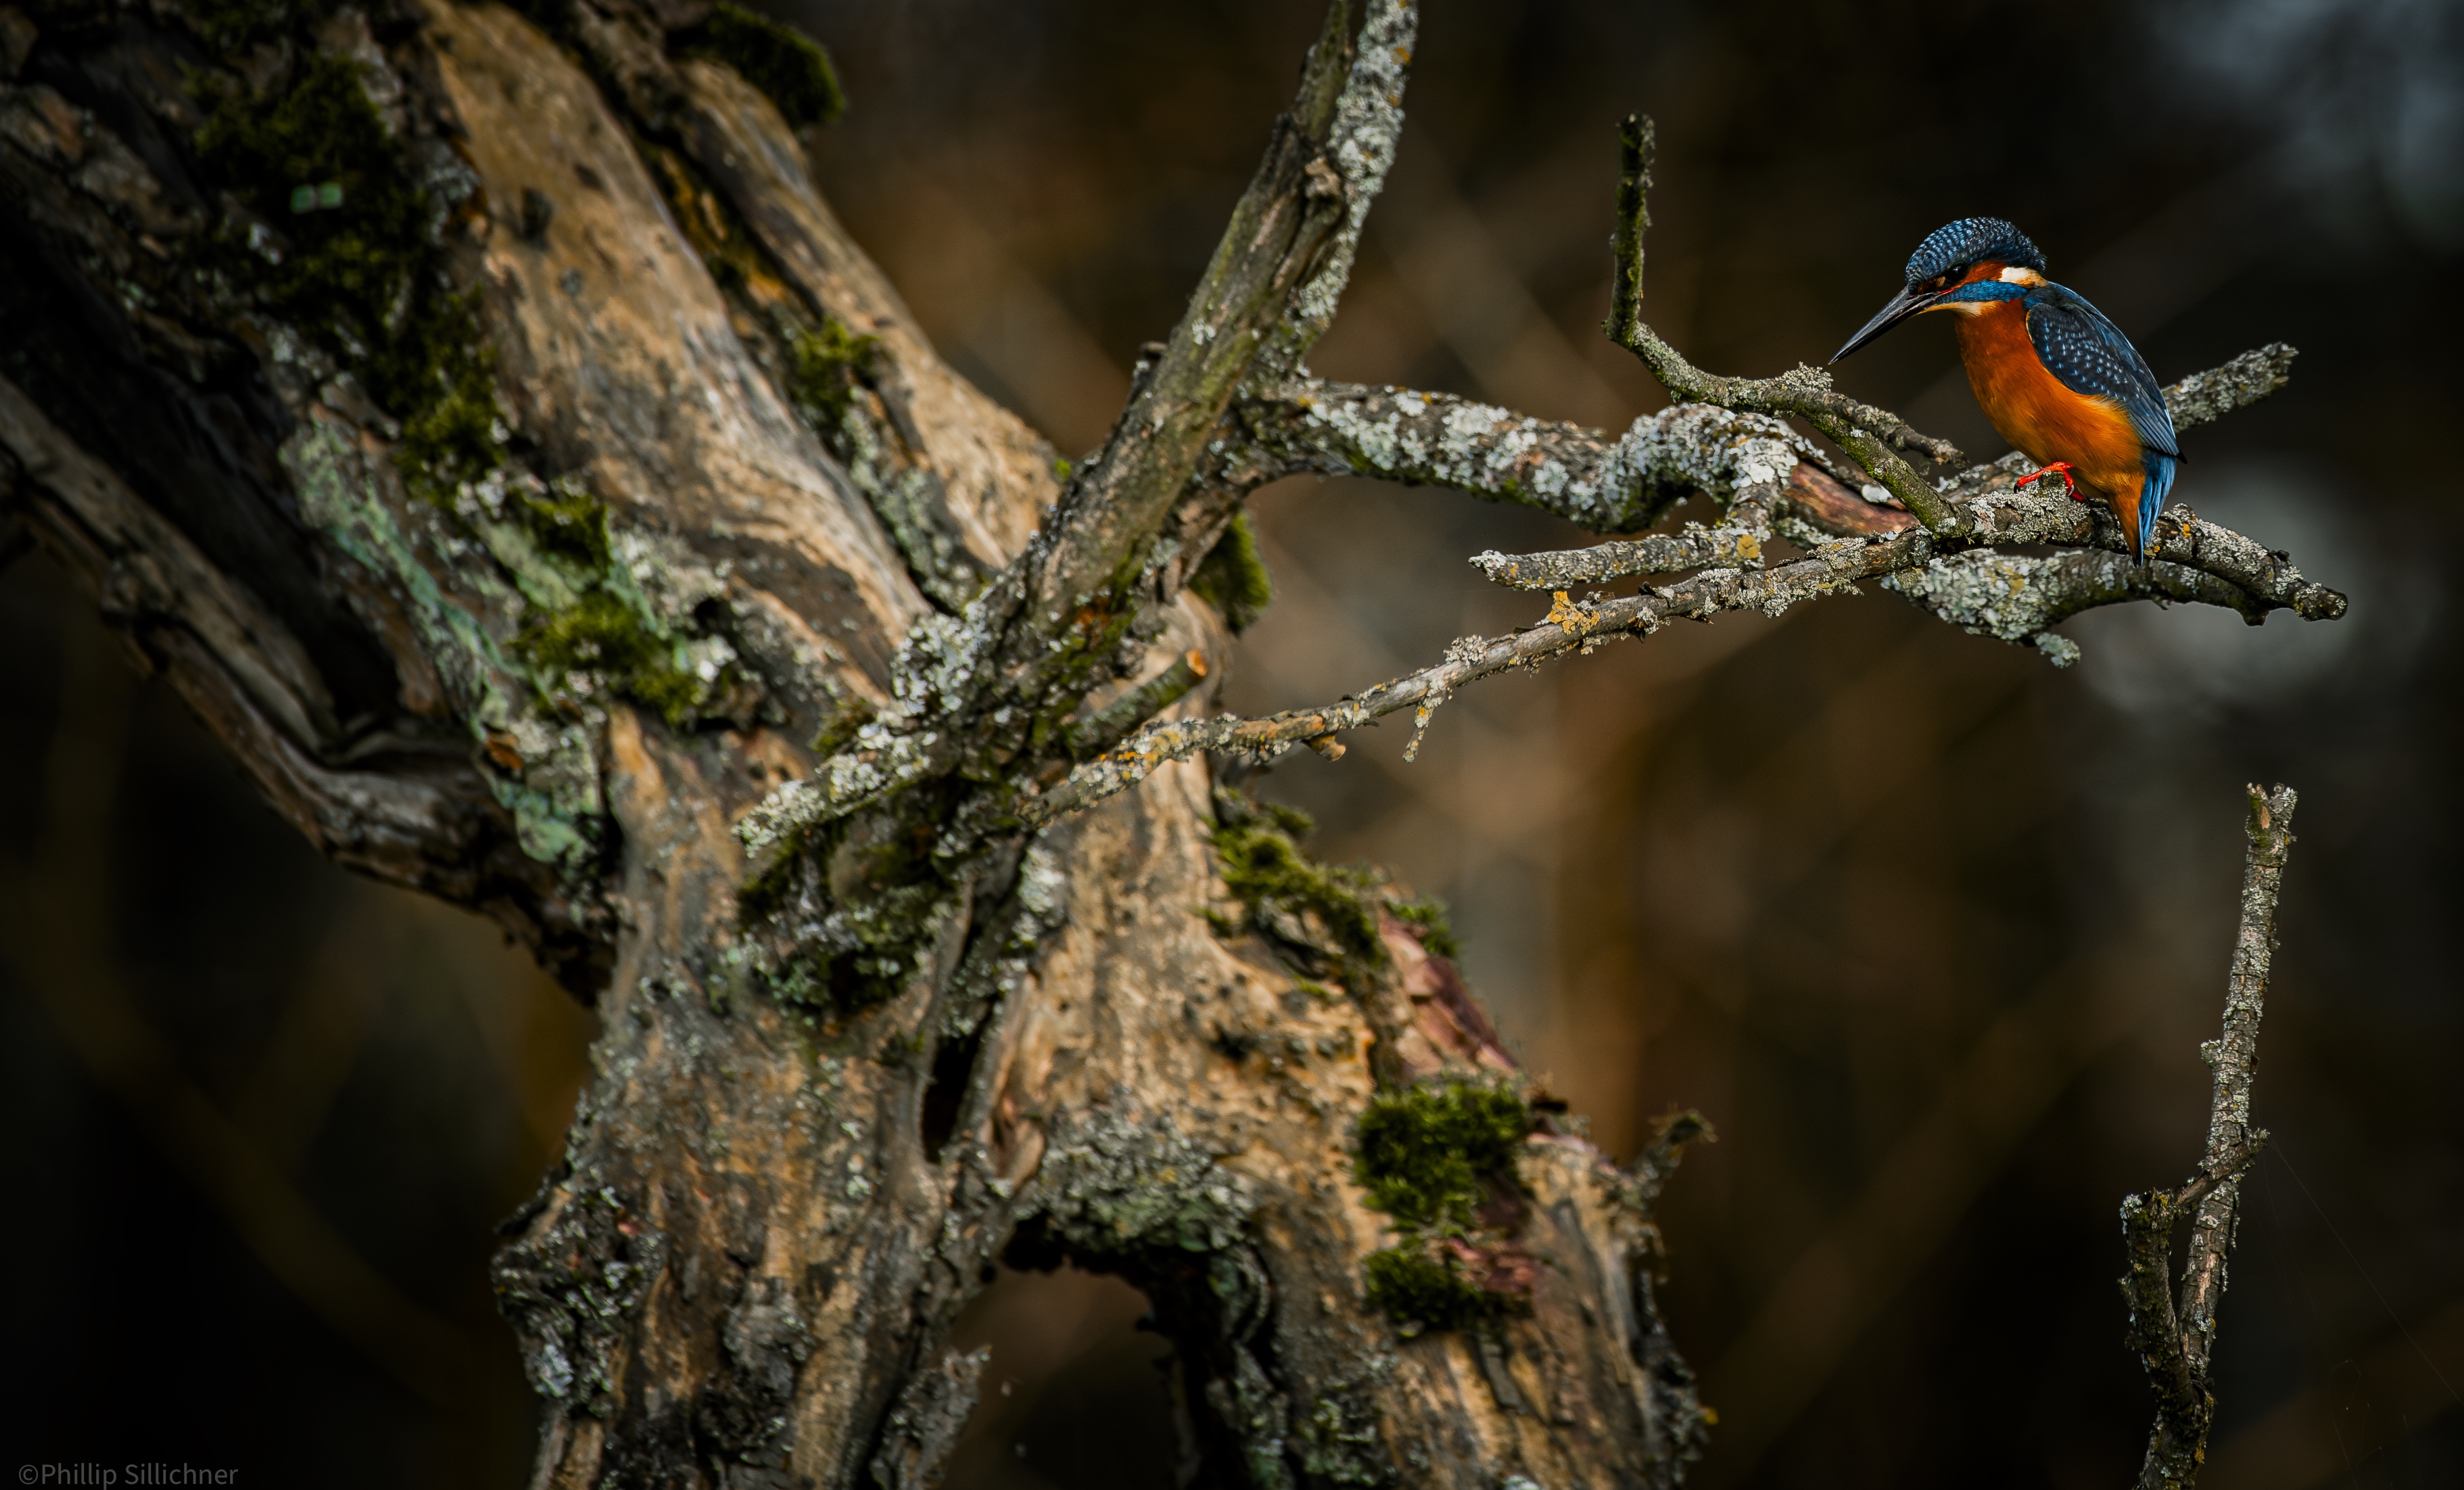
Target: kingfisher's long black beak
point(1905, 303)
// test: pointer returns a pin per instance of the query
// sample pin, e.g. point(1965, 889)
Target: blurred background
point(1930, 930)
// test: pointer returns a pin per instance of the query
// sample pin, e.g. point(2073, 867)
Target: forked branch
point(2174, 1339)
point(991, 694)
point(1722, 437)
point(1959, 576)
point(1872, 436)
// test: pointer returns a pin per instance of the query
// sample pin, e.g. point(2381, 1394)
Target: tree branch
point(1616, 486)
point(1438, 440)
point(1869, 435)
point(974, 697)
point(2174, 1341)
point(1958, 579)
point(1278, 271)
point(1748, 461)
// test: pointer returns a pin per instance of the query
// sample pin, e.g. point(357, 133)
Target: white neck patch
point(2014, 274)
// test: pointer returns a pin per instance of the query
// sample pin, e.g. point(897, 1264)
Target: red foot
point(2063, 469)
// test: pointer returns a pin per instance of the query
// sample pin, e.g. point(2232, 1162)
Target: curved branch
point(400, 809)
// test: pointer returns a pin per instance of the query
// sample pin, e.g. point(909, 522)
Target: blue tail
point(2159, 485)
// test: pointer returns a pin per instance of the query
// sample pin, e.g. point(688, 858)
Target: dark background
point(1930, 930)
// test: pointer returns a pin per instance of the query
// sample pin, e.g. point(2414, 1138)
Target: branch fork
point(2174, 1336)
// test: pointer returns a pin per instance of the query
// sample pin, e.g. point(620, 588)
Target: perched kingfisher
point(2058, 380)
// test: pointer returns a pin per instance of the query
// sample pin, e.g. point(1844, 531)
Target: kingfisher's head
point(1961, 266)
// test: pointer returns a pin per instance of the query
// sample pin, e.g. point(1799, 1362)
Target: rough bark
point(522, 554)
point(481, 420)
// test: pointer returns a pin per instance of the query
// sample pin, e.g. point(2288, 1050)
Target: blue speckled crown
point(1969, 241)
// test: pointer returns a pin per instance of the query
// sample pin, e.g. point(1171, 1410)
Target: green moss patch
point(1424, 1151)
point(566, 521)
point(1324, 913)
point(601, 636)
point(1433, 1158)
point(1427, 917)
point(824, 366)
point(361, 276)
point(1328, 912)
point(1425, 1290)
point(782, 61)
point(1233, 577)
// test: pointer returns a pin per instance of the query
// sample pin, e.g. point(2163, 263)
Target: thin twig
point(2174, 1337)
point(2014, 598)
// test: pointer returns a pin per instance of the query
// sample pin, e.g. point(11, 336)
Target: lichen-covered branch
point(2176, 1338)
point(1570, 626)
point(1731, 542)
point(989, 694)
point(1627, 484)
point(1278, 268)
point(1962, 580)
point(1438, 440)
point(1368, 126)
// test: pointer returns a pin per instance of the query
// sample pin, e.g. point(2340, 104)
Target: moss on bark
point(1438, 1159)
point(773, 56)
point(345, 252)
point(1233, 577)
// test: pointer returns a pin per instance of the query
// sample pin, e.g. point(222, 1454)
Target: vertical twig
point(2174, 1341)
point(1636, 141)
point(1867, 434)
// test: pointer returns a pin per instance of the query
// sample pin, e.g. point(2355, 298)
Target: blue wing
point(2090, 355)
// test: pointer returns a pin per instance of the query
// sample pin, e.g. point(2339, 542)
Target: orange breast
point(2037, 413)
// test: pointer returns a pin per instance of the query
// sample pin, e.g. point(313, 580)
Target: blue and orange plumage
point(2058, 380)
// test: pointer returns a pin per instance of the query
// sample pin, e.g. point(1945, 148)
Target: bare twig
point(1870, 435)
point(1638, 142)
point(2174, 1341)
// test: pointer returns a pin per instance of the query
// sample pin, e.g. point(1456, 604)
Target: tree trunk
point(481, 420)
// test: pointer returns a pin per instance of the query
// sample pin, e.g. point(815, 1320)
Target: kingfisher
point(2058, 380)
